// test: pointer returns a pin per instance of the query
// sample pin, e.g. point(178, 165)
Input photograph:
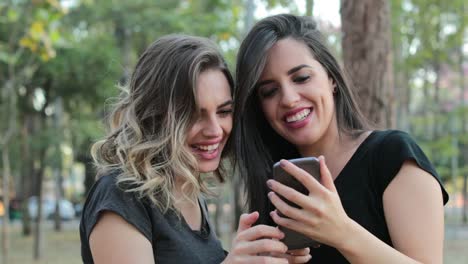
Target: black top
point(172, 238)
point(365, 177)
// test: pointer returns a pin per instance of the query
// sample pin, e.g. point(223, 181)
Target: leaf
point(37, 28)
point(5, 57)
point(12, 15)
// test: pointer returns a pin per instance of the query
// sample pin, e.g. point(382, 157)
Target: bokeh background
point(60, 61)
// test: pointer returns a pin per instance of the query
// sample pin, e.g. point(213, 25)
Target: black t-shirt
point(365, 177)
point(172, 238)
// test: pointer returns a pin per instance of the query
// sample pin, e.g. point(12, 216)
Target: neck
point(329, 144)
point(337, 149)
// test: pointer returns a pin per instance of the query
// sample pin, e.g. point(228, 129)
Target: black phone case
point(293, 239)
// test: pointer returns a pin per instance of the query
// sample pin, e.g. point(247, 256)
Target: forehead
point(286, 54)
point(212, 88)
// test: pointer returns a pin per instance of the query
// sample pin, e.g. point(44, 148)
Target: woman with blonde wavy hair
point(171, 124)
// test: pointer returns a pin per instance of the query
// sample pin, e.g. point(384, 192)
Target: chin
point(208, 166)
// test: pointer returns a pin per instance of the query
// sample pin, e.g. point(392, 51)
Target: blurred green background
point(61, 60)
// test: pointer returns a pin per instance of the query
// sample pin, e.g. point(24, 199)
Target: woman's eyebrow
point(295, 69)
point(228, 102)
point(291, 71)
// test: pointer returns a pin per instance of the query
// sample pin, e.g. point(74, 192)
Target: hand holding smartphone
point(293, 239)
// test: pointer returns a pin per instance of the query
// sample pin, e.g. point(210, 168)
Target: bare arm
point(414, 213)
point(113, 240)
point(413, 210)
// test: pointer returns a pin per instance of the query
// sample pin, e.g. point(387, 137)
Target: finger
point(247, 220)
point(260, 231)
point(302, 176)
point(264, 259)
point(289, 193)
point(299, 259)
point(289, 211)
point(261, 246)
point(299, 252)
point(289, 223)
point(326, 177)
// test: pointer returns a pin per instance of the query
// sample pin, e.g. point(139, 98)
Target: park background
point(60, 60)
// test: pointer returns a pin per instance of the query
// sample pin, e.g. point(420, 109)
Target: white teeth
point(298, 116)
point(208, 147)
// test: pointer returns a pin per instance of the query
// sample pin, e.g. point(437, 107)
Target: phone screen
point(293, 239)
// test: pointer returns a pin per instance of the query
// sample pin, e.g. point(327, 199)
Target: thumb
point(326, 177)
point(247, 220)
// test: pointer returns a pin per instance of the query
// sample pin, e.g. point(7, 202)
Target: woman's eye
point(225, 112)
point(268, 92)
point(301, 79)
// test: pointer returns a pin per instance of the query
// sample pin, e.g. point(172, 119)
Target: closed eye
point(225, 112)
point(301, 79)
point(268, 92)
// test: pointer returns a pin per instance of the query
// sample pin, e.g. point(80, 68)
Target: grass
point(64, 247)
point(58, 247)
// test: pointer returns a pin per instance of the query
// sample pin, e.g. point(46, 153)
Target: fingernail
point(269, 184)
point(270, 194)
point(283, 163)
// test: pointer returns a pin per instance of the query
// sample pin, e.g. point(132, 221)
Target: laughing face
point(296, 94)
point(210, 131)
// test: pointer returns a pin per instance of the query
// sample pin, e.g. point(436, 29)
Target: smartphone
point(293, 239)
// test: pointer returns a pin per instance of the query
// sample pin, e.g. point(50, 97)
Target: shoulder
point(397, 148)
point(392, 137)
point(107, 195)
point(398, 145)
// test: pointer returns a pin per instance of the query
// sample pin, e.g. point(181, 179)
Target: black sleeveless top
point(365, 177)
point(172, 238)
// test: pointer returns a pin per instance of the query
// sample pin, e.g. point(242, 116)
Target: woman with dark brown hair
point(379, 199)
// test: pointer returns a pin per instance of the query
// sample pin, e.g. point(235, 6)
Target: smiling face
point(213, 122)
point(296, 94)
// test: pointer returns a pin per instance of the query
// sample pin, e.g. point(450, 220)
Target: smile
point(299, 116)
point(207, 151)
point(207, 148)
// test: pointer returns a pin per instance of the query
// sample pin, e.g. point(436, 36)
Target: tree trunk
point(27, 171)
point(58, 165)
point(123, 36)
point(309, 8)
point(38, 239)
point(10, 109)
point(6, 203)
point(367, 57)
point(464, 130)
point(464, 119)
point(39, 170)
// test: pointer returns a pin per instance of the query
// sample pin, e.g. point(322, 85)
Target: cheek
point(268, 110)
point(192, 132)
point(226, 124)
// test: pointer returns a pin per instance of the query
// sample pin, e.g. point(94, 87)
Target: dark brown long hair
point(258, 146)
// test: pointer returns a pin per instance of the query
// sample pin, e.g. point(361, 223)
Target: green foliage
point(427, 35)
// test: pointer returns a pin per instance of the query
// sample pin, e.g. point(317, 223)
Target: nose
point(289, 96)
point(212, 127)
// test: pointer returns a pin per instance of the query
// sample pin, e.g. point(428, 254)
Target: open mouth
point(207, 152)
point(206, 148)
point(299, 116)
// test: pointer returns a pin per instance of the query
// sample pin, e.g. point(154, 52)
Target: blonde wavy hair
point(146, 144)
